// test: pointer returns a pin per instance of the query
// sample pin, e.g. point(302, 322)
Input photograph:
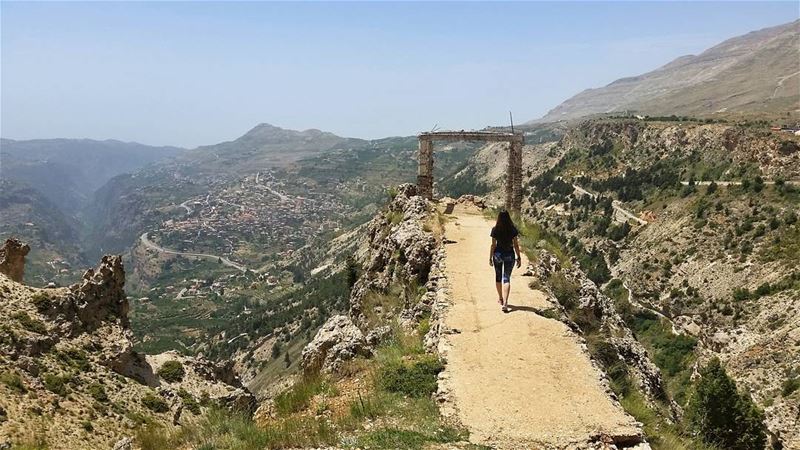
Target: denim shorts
point(503, 265)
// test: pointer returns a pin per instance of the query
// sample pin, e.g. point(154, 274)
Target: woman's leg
point(498, 278)
point(508, 266)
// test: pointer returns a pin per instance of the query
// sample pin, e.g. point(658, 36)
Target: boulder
point(474, 200)
point(378, 335)
point(125, 443)
point(338, 340)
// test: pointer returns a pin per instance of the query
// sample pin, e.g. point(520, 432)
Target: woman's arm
point(519, 254)
point(491, 251)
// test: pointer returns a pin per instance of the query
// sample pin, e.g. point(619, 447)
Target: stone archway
point(513, 180)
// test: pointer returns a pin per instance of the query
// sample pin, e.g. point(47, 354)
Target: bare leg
point(506, 292)
point(499, 287)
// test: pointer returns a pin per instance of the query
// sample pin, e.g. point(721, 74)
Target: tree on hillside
point(352, 271)
point(276, 349)
point(722, 415)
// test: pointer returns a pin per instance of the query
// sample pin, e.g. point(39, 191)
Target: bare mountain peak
point(269, 131)
point(751, 73)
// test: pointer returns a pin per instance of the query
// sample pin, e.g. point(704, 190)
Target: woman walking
point(503, 253)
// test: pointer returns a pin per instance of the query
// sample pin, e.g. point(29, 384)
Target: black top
point(505, 241)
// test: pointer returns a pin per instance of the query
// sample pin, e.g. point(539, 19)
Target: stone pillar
point(510, 178)
point(514, 176)
point(425, 172)
point(516, 200)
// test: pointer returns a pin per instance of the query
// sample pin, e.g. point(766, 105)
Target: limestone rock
point(475, 200)
point(125, 443)
point(101, 293)
point(12, 259)
point(378, 335)
point(85, 327)
point(337, 341)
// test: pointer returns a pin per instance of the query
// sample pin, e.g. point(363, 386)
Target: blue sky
point(199, 73)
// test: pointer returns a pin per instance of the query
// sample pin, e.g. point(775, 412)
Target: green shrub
point(414, 379)
point(29, 323)
point(764, 289)
point(369, 407)
point(298, 397)
point(394, 217)
point(13, 381)
point(74, 358)
point(155, 403)
point(98, 392)
point(789, 386)
point(56, 384)
point(722, 415)
point(172, 371)
point(41, 301)
point(189, 401)
point(741, 294)
point(395, 438)
point(566, 291)
point(672, 353)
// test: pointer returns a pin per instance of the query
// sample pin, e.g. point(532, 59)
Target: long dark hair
point(504, 225)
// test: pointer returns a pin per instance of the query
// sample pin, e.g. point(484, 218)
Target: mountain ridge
point(734, 76)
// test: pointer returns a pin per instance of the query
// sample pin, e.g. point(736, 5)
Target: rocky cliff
point(399, 281)
point(641, 143)
point(69, 377)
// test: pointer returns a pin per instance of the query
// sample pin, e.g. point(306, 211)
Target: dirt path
point(517, 380)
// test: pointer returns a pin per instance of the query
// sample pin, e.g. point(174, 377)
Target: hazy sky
point(199, 73)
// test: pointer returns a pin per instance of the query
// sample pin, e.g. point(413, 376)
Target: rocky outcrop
point(401, 255)
point(101, 295)
point(12, 259)
point(399, 250)
point(594, 304)
point(70, 349)
point(97, 301)
point(338, 341)
point(639, 143)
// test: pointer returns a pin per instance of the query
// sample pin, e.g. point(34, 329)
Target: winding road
point(616, 204)
point(151, 245)
point(734, 183)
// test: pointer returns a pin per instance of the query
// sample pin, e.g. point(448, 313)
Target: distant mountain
point(263, 146)
point(68, 171)
point(28, 215)
point(129, 204)
point(758, 72)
